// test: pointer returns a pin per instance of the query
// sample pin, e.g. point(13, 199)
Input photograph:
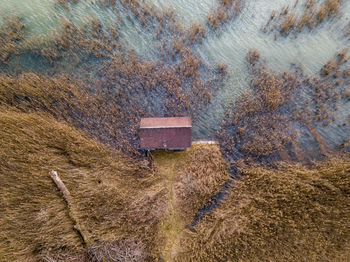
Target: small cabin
point(172, 133)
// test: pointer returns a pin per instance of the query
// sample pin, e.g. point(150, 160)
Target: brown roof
point(165, 122)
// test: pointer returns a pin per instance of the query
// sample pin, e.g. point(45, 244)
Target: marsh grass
point(11, 36)
point(119, 203)
point(191, 178)
point(35, 222)
point(98, 115)
point(200, 176)
point(225, 11)
point(122, 87)
point(261, 123)
point(314, 13)
point(65, 3)
point(109, 88)
point(291, 214)
point(85, 126)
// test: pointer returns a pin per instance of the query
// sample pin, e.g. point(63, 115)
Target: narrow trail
point(172, 226)
point(169, 166)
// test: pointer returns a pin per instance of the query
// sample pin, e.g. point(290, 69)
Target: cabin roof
point(165, 122)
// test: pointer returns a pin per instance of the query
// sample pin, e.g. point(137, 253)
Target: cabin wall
point(176, 138)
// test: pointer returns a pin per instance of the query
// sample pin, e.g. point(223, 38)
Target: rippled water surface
point(230, 45)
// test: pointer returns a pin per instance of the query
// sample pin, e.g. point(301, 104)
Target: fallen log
point(68, 199)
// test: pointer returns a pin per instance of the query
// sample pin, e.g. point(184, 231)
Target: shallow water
point(230, 45)
point(309, 50)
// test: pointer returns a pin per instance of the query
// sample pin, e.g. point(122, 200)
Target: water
point(310, 50)
point(189, 11)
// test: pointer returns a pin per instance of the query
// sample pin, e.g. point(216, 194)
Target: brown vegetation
point(256, 126)
point(261, 123)
point(99, 115)
point(119, 203)
point(288, 214)
point(108, 107)
point(76, 45)
point(191, 178)
point(199, 177)
point(65, 3)
point(314, 13)
point(335, 63)
point(118, 87)
point(125, 208)
point(226, 10)
point(11, 34)
point(35, 222)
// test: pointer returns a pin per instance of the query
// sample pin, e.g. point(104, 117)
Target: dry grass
point(124, 206)
point(98, 114)
point(191, 177)
point(262, 216)
point(119, 203)
point(262, 123)
point(108, 90)
point(108, 115)
point(200, 176)
point(35, 222)
point(288, 214)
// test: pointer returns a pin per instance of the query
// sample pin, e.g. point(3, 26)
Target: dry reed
point(314, 14)
point(288, 214)
point(35, 222)
point(261, 123)
point(225, 11)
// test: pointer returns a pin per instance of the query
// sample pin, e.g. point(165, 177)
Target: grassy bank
point(124, 207)
point(289, 214)
point(105, 187)
point(191, 178)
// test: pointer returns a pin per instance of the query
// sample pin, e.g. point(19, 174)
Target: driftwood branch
point(68, 199)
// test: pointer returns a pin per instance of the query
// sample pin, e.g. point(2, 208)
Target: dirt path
point(172, 226)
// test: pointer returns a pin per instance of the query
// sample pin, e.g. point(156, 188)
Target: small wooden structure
point(172, 133)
